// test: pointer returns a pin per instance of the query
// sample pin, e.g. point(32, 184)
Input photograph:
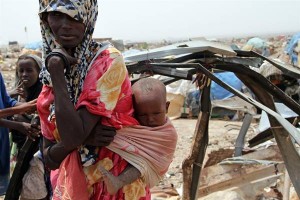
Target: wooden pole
point(192, 165)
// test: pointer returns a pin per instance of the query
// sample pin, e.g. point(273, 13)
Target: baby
point(151, 106)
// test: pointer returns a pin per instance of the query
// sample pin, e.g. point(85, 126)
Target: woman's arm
point(73, 126)
point(55, 153)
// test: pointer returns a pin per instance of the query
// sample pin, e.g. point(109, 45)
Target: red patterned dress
point(106, 92)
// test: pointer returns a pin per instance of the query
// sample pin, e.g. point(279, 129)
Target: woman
point(90, 86)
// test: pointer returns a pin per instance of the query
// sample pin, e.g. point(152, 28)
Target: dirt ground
point(222, 134)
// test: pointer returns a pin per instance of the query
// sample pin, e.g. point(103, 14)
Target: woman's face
point(28, 72)
point(67, 31)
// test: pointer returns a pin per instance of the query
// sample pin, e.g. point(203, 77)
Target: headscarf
point(83, 11)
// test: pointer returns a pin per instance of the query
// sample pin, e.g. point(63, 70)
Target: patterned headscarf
point(85, 11)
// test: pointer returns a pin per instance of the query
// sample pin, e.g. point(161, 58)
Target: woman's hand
point(57, 62)
point(71, 59)
point(101, 136)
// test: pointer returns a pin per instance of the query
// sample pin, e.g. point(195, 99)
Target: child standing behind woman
point(33, 183)
point(6, 102)
point(27, 75)
point(28, 173)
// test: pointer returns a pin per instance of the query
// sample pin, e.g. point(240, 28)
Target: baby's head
point(150, 102)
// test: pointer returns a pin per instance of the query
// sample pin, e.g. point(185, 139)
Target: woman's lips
point(67, 37)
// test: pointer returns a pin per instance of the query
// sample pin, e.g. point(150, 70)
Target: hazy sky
point(164, 19)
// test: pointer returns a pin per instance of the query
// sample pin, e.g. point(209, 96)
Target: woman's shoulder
point(110, 51)
point(107, 57)
point(108, 62)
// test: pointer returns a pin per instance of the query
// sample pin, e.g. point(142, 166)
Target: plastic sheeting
point(34, 45)
point(257, 44)
point(291, 47)
point(218, 92)
point(282, 109)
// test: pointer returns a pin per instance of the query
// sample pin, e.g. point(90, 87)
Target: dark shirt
point(32, 93)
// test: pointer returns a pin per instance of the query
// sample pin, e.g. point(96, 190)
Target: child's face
point(150, 111)
point(28, 72)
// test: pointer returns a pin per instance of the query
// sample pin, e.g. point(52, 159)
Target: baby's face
point(150, 111)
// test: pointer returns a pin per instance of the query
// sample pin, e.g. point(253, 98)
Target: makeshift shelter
point(201, 58)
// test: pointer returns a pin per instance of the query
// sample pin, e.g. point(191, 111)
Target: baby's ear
point(167, 106)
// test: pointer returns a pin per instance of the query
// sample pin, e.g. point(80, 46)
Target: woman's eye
point(55, 14)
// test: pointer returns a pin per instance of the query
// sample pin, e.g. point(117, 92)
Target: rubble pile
point(260, 172)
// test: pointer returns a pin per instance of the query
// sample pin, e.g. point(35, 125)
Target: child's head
point(28, 69)
point(150, 102)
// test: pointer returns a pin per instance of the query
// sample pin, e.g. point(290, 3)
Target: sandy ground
point(222, 134)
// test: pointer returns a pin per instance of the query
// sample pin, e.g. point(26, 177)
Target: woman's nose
point(66, 22)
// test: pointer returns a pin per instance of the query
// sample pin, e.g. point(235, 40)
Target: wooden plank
point(220, 177)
